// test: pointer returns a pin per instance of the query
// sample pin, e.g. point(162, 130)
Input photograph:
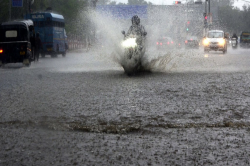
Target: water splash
point(108, 34)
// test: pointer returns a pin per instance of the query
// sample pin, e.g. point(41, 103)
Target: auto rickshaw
point(15, 42)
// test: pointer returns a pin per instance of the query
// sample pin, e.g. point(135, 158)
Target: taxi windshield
point(215, 35)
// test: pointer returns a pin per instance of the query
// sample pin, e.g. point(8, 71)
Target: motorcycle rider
point(137, 29)
point(235, 36)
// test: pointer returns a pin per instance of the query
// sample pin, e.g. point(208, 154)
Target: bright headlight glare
point(222, 42)
point(130, 42)
point(205, 42)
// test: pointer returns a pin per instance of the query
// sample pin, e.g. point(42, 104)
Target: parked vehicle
point(15, 44)
point(245, 39)
point(215, 40)
point(51, 28)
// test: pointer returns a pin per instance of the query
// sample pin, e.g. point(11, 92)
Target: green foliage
point(221, 3)
point(103, 2)
point(112, 3)
point(121, 3)
point(76, 13)
point(137, 2)
point(4, 11)
point(70, 9)
point(233, 19)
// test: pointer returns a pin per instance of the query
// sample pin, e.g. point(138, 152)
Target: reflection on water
point(212, 55)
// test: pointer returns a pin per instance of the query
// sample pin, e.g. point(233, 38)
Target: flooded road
point(190, 109)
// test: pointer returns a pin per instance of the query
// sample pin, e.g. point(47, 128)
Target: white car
point(215, 40)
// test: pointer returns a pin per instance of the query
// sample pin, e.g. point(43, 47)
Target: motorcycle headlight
point(130, 42)
point(205, 42)
point(222, 42)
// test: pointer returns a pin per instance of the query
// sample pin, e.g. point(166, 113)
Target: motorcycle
point(134, 50)
point(234, 43)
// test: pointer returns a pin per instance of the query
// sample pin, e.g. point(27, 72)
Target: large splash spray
point(109, 36)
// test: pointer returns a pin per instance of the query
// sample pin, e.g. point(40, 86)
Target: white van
point(215, 40)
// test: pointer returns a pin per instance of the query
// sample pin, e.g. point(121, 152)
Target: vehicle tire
point(53, 55)
point(33, 57)
point(225, 50)
point(28, 64)
point(64, 54)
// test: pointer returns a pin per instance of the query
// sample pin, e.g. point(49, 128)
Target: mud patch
point(30, 145)
point(122, 128)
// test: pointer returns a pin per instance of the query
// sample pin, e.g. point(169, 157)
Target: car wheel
point(53, 55)
point(225, 50)
point(64, 54)
point(27, 62)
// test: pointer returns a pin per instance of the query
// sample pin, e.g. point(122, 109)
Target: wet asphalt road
point(191, 109)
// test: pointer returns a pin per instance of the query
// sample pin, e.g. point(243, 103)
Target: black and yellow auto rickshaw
point(15, 44)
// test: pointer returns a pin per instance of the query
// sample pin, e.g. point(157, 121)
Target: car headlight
point(130, 42)
point(222, 42)
point(205, 42)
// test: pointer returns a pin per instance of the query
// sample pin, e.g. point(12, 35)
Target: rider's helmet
point(37, 34)
point(135, 20)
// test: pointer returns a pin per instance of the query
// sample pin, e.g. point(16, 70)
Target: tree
point(103, 2)
point(221, 3)
point(112, 3)
point(71, 10)
point(121, 3)
point(138, 2)
point(233, 19)
point(4, 12)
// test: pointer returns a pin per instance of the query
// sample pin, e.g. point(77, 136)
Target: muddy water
point(74, 113)
point(27, 145)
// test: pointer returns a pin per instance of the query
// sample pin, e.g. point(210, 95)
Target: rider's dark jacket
point(136, 30)
point(235, 36)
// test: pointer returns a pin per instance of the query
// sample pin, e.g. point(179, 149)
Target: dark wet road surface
point(84, 110)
